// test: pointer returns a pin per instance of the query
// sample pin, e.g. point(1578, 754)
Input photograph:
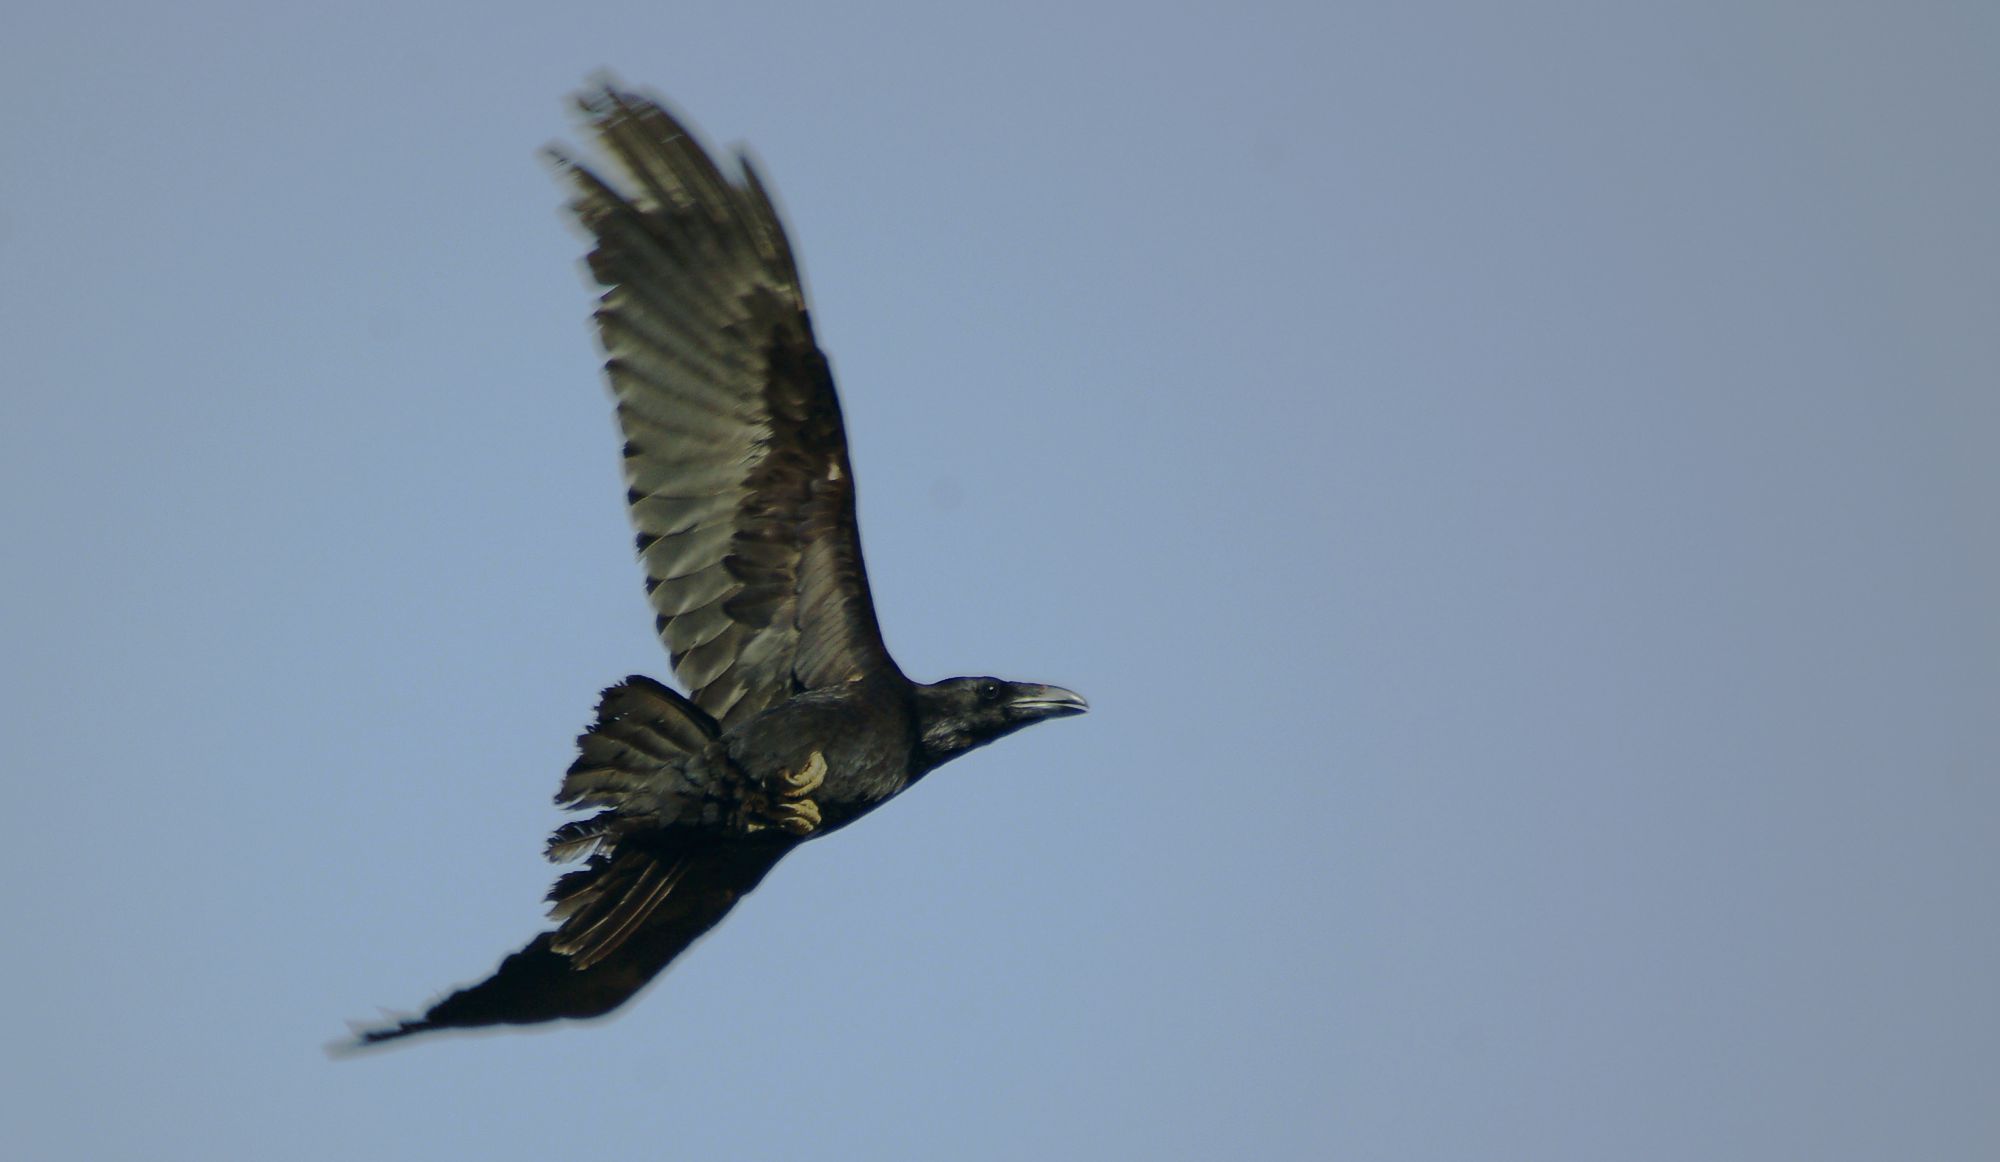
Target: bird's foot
point(792, 808)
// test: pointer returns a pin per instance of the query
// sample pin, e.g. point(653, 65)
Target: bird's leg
point(794, 810)
point(791, 808)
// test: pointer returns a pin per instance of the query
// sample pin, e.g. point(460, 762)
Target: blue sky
point(1516, 484)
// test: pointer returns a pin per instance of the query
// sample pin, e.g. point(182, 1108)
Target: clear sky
point(1516, 483)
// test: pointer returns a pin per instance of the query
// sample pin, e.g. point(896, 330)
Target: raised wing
point(735, 458)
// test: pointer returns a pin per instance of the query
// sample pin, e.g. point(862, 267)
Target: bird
point(796, 721)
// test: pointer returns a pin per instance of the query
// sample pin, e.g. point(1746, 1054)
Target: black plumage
point(796, 721)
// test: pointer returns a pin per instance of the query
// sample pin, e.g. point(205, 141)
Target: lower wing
point(539, 983)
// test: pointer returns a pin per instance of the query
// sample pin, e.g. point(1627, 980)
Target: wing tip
point(363, 1037)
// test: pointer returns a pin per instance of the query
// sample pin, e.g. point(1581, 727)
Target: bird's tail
point(642, 762)
point(634, 762)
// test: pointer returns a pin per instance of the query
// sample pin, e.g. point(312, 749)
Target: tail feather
point(653, 717)
point(586, 787)
point(583, 837)
point(639, 744)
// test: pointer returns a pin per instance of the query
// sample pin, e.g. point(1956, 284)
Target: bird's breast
point(866, 752)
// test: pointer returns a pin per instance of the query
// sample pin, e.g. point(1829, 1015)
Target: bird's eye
point(989, 691)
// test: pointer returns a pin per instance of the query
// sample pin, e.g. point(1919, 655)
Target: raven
point(797, 721)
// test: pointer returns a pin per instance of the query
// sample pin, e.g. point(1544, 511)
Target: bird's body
point(864, 731)
point(797, 721)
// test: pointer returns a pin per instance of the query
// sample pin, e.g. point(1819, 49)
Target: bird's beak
point(1038, 702)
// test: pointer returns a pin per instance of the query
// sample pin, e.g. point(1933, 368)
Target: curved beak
point(1038, 702)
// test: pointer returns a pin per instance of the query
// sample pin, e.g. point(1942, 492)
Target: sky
point(1515, 482)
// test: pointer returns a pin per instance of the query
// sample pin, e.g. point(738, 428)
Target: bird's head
point(958, 714)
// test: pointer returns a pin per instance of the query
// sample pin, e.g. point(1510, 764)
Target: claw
point(798, 818)
point(798, 784)
point(791, 810)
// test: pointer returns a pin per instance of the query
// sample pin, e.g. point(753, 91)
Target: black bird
point(797, 721)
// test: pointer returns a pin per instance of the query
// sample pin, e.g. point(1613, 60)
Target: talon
point(806, 780)
point(798, 818)
point(790, 809)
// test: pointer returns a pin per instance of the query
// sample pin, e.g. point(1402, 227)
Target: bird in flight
point(796, 720)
